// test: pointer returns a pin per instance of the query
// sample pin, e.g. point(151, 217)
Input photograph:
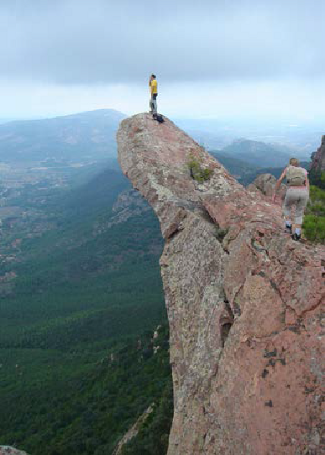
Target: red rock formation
point(318, 163)
point(243, 301)
point(266, 184)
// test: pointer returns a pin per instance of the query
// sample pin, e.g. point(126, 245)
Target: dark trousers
point(153, 103)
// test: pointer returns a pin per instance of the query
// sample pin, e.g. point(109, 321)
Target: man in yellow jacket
point(153, 95)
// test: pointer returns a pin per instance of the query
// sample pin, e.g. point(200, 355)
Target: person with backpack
point(153, 95)
point(297, 195)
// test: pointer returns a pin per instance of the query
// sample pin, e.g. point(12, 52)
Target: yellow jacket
point(154, 87)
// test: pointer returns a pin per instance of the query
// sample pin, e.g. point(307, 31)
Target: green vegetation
point(198, 173)
point(78, 365)
point(153, 436)
point(314, 221)
point(79, 402)
point(317, 178)
point(220, 233)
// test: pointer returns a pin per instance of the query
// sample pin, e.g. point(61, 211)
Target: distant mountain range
point(301, 140)
point(258, 153)
point(88, 135)
point(246, 172)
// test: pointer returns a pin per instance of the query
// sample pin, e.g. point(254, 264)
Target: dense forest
point(83, 401)
point(78, 361)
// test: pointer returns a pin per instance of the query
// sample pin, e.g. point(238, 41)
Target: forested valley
point(79, 361)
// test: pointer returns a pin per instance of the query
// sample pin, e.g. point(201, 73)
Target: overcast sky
point(218, 58)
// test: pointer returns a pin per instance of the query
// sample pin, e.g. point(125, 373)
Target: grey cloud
point(97, 41)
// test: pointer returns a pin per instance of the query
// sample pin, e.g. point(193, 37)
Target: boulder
point(265, 183)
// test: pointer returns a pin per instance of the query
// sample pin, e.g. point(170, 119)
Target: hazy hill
point(259, 153)
point(260, 146)
point(246, 172)
point(218, 133)
point(237, 167)
point(91, 136)
point(88, 135)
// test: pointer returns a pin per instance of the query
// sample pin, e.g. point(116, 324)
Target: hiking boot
point(288, 230)
point(296, 237)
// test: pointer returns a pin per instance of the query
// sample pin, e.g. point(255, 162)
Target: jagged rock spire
point(318, 163)
point(243, 302)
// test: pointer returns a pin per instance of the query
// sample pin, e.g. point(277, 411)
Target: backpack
point(296, 176)
point(160, 118)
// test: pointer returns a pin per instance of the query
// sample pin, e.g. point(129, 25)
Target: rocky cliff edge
point(243, 301)
point(318, 163)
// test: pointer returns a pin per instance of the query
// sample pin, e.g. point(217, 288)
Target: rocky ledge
point(7, 450)
point(243, 301)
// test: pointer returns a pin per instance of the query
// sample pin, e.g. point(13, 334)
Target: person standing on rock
point(297, 195)
point(153, 95)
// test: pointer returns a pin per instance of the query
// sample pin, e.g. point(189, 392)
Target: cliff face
point(318, 163)
point(243, 301)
